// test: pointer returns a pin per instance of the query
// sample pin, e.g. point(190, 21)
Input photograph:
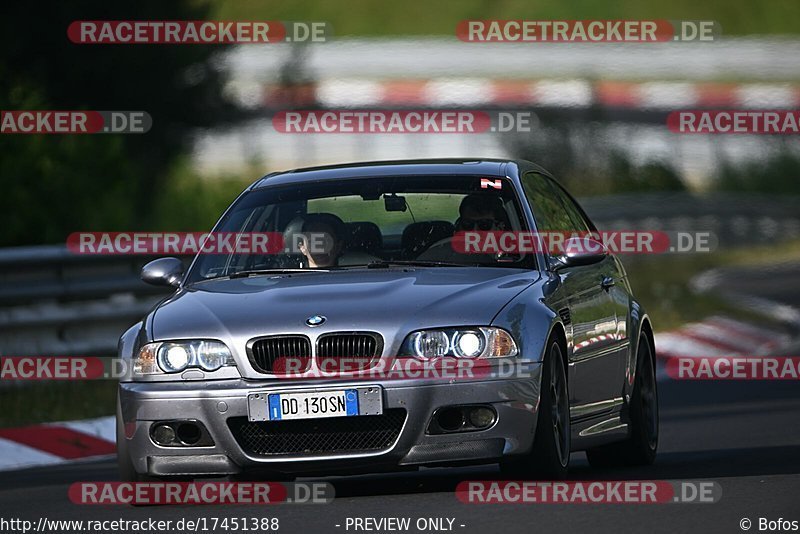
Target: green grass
point(421, 17)
point(45, 402)
point(661, 283)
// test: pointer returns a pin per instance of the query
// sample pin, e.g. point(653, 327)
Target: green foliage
point(57, 184)
point(44, 402)
point(422, 17)
point(651, 176)
point(580, 157)
point(779, 174)
point(192, 204)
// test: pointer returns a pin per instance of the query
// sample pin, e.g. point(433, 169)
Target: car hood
point(390, 301)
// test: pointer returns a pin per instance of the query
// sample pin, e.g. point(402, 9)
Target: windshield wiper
point(382, 264)
point(258, 272)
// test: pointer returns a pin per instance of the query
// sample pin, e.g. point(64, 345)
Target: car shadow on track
point(757, 461)
point(713, 464)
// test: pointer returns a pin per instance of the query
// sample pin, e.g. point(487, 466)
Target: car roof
point(482, 167)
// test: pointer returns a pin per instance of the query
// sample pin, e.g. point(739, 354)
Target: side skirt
point(598, 430)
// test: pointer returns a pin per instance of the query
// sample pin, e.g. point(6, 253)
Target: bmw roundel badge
point(315, 320)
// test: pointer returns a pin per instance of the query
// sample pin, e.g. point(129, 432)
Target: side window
point(547, 207)
point(579, 220)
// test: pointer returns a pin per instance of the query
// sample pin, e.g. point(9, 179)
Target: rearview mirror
point(394, 203)
point(579, 251)
point(163, 272)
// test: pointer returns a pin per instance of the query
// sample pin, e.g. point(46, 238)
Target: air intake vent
point(331, 435)
point(565, 315)
point(280, 354)
point(350, 351)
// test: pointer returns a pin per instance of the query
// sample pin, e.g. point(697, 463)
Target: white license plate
point(310, 405)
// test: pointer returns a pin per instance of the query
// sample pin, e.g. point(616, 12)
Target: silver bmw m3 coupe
point(402, 316)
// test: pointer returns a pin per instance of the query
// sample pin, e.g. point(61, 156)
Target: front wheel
point(549, 457)
point(640, 447)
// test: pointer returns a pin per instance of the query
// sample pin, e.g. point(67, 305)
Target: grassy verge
point(661, 283)
point(45, 402)
point(422, 17)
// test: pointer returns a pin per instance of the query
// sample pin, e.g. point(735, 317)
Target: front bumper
point(213, 402)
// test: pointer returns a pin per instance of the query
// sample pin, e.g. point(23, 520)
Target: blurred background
point(600, 113)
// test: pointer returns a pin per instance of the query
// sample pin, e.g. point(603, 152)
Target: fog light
point(481, 417)
point(164, 435)
point(189, 433)
point(451, 419)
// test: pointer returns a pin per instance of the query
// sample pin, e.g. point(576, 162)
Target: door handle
point(607, 282)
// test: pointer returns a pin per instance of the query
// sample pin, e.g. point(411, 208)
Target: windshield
point(368, 221)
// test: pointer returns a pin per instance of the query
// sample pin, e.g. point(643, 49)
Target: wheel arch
point(558, 331)
point(645, 328)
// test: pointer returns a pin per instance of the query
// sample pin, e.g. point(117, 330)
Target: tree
point(57, 184)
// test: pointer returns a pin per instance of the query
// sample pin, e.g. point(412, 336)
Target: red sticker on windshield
point(494, 184)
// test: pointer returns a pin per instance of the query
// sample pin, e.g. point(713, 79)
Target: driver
point(319, 238)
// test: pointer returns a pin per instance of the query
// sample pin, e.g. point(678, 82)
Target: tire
point(549, 456)
point(641, 446)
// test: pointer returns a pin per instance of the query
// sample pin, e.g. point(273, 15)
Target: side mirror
point(580, 251)
point(163, 272)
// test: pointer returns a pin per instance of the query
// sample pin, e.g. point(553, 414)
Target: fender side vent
point(565, 316)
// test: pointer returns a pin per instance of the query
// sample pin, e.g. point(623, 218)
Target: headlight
point(468, 343)
point(176, 356)
point(211, 355)
point(430, 344)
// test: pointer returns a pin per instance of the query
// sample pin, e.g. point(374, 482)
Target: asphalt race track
point(743, 435)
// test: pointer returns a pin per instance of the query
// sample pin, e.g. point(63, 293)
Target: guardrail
point(54, 302)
